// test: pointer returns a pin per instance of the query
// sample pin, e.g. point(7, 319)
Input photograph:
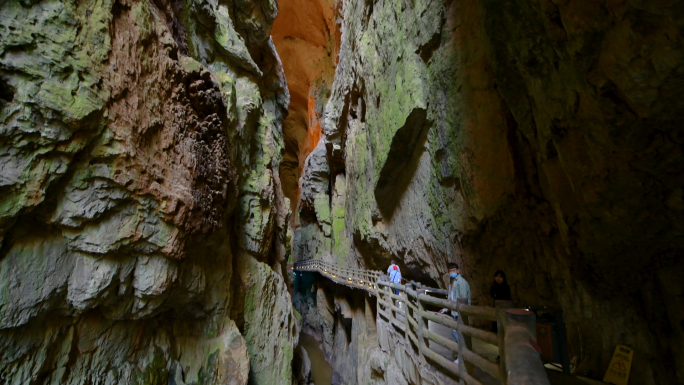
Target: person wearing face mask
point(458, 287)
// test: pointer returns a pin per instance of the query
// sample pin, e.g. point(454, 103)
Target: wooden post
point(390, 301)
point(407, 324)
point(377, 306)
point(520, 334)
point(420, 321)
point(464, 366)
point(501, 306)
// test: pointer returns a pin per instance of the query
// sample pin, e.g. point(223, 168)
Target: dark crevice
point(408, 145)
point(172, 9)
point(373, 254)
point(425, 51)
point(6, 91)
point(551, 151)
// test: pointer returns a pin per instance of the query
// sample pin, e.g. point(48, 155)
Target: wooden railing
point(356, 278)
point(410, 312)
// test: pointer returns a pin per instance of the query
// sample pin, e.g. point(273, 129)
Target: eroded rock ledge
point(142, 223)
point(553, 151)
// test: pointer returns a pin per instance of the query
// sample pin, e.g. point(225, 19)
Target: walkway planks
point(408, 313)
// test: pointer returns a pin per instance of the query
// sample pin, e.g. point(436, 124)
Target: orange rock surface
point(307, 38)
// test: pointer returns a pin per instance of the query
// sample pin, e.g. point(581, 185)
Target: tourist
point(500, 291)
point(458, 288)
point(394, 275)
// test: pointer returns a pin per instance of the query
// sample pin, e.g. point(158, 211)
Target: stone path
point(559, 378)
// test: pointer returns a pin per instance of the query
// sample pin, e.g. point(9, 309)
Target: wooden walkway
point(413, 314)
point(358, 279)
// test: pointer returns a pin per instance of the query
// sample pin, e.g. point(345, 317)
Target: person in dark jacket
point(500, 291)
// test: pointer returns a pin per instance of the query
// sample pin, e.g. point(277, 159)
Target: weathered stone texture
point(360, 348)
point(140, 144)
point(272, 331)
point(306, 34)
point(538, 137)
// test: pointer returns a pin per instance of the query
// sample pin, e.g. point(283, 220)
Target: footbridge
point(413, 314)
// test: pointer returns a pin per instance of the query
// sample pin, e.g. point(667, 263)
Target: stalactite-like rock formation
point(142, 221)
point(152, 154)
point(543, 138)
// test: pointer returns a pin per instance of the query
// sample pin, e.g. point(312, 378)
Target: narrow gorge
point(163, 162)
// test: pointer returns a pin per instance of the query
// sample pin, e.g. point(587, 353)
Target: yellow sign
point(618, 370)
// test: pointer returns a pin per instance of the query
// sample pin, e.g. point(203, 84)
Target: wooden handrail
point(518, 365)
point(482, 312)
point(451, 345)
point(520, 354)
point(480, 334)
point(441, 319)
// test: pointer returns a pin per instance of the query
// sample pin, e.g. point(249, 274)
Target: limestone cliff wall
point(543, 138)
point(343, 320)
point(142, 221)
point(306, 35)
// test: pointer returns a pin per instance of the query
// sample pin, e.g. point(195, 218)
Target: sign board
point(545, 341)
point(618, 370)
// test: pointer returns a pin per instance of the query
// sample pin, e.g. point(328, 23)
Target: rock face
point(141, 212)
point(144, 220)
point(538, 137)
point(343, 321)
point(307, 36)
